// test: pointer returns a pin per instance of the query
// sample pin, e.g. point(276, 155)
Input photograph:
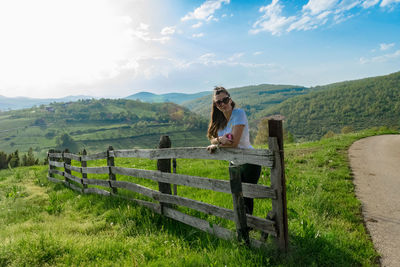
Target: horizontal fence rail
point(262, 157)
point(273, 225)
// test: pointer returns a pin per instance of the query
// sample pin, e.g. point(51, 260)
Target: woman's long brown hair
point(217, 119)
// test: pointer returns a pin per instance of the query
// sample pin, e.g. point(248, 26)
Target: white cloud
point(143, 32)
point(210, 59)
point(205, 11)
point(318, 6)
point(198, 35)
point(369, 3)
point(314, 14)
point(168, 31)
point(197, 25)
point(257, 53)
point(380, 59)
point(235, 56)
point(272, 20)
point(386, 3)
point(384, 46)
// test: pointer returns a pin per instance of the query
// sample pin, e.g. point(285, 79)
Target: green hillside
point(177, 98)
point(358, 104)
point(253, 99)
point(96, 124)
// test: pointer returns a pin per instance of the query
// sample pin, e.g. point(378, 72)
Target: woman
point(229, 128)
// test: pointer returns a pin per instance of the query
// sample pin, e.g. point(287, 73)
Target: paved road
point(375, 162)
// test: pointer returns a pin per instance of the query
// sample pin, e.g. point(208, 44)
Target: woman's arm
point(237, 131)
point(215, 141)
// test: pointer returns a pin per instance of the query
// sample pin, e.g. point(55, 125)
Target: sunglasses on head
point(224, 100)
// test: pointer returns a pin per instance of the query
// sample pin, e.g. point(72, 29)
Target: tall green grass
point(42, 223)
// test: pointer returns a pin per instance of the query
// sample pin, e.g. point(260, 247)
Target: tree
point(3, 160)
point(262, 133)
point(329, 134)
point(65, 141)
point(347, 129)
point(29, 159)
point(13, 159)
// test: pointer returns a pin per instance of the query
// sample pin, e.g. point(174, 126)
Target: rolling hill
point(177, 98)
point(12, 103)
point(358, 104)
point(96, 124)
point(255, 100)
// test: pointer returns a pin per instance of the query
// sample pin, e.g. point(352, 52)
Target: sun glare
point(46, 42)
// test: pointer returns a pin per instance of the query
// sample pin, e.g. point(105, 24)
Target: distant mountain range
point(12, 103)
point(177, 98)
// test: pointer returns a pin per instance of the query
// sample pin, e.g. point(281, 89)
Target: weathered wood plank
point(73, 168)
point(249, 190)
point(96, 191)
point(84, 165)
point(72, 156)
point(56, 164)
point(153, 206)
point(111, 163)
point(54, 180)
point(101, 155)
point(104, 183)
point(74, 187)
point(164, 165)
point(239, 209)
point(96, 170)
point(258, 191)
point(262, 157)
point(135, 188)
point(67, 164)
point(55, 155)
point(264, 225)
point(279, 209)
point(198, 223)
point(196, 205)
point(73, 178)
point(54, 171)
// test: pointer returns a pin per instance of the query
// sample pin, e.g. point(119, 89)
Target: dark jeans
point(249, 173)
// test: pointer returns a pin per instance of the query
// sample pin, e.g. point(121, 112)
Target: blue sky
point(104, 48)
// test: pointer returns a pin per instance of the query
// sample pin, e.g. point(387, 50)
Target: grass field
point(46, 224)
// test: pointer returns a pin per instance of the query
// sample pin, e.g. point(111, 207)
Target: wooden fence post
point(111, 175)
point(84, 165)
point(164, 165)
point(66, 161)
point(239, 209)
point(278, 182)
point(174, 171)
point(51, 167)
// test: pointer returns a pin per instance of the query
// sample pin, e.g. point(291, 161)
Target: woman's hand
point(212, 148)
point(224, 140)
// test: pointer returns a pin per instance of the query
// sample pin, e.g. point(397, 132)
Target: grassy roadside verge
point(46, 224)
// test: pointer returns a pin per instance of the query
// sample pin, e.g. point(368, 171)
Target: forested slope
point(253, 99)
point(359, 104)
point(96, 124)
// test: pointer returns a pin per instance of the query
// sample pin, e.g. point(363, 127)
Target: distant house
point(50, 109)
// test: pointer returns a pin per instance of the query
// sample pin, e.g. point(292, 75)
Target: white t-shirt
point(238, 117)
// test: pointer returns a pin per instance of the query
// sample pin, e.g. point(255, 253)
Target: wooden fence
point(275, 224)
